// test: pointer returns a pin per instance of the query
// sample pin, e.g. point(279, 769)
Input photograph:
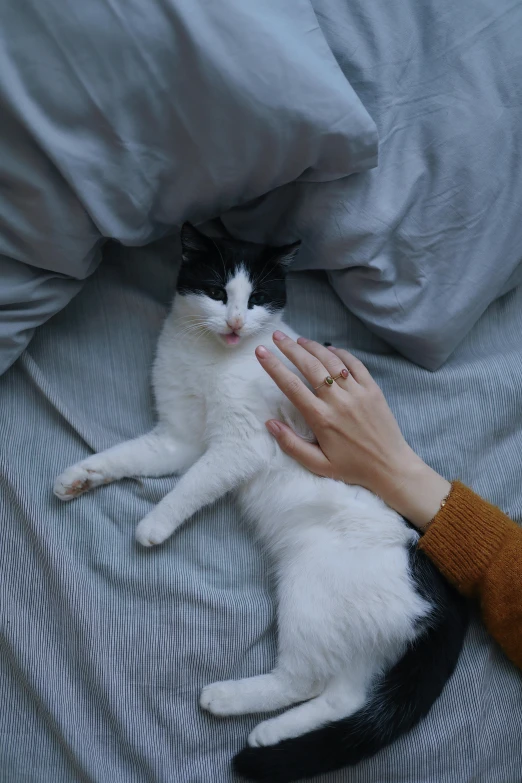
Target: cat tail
point(399, 702)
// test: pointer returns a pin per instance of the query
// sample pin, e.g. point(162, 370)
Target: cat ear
point(194, 244)
point(286, 254)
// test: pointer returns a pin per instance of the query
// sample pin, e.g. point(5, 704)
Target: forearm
point(413, 489)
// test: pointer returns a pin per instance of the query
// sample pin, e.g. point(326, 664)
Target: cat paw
point(76, 480)
point(152, 531)
point(266, 733)
point(221, 698)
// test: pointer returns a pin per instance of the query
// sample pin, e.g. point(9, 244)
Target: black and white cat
point(368, 631)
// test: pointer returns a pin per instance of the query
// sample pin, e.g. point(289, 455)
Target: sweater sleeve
point(479, 550)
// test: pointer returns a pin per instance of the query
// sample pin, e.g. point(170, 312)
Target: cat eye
point(257, 299)
point(219, 294)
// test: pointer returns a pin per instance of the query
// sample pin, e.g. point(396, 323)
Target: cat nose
point(235, 323)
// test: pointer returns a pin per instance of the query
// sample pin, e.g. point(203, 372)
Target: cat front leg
point(153, 454)
point(221, 469)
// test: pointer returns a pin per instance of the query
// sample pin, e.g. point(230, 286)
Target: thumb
point(308, 454)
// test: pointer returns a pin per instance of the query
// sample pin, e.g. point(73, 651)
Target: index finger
point(292, 387)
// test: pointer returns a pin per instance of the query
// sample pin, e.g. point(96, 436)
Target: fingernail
point(332, 348)
point(261, 351)
point(302, 340)
point(273, 427)
point(279, 335)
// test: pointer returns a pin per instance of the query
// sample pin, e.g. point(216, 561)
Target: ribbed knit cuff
point(464, 536)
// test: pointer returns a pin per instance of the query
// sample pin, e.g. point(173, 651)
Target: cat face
point(231, 289)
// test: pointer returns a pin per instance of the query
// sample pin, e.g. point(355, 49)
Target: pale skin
point(358, 438)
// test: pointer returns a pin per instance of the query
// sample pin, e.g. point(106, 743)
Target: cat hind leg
point(340, 699)
point(265, 693)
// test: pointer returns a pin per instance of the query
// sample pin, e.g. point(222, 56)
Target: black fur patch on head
point(208, 265)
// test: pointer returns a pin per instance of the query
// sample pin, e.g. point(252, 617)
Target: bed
point(105, 646)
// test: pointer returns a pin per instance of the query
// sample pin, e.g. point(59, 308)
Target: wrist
point(415, 490)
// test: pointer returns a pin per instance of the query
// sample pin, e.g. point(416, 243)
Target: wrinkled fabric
point(104, 646)
point(122, 119)
point(419, 247)
point(121, 122)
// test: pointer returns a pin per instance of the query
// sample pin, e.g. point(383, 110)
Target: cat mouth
point(232, 338)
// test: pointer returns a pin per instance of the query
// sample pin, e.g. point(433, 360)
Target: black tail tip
point(247, 764)
point(260, 764)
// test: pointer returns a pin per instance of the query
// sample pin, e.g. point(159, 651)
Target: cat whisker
point(191, 319)
point(259, 280)
point(194, 330)
point(222, 260)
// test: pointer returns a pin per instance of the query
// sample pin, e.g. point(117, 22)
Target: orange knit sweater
point(479, 550)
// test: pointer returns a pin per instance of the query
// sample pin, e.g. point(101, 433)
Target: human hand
point(359, 440)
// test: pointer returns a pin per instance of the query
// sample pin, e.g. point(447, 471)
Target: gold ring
point(328, 381)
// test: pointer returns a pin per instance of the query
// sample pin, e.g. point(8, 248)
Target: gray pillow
point(122, 119)
point(419, 247)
